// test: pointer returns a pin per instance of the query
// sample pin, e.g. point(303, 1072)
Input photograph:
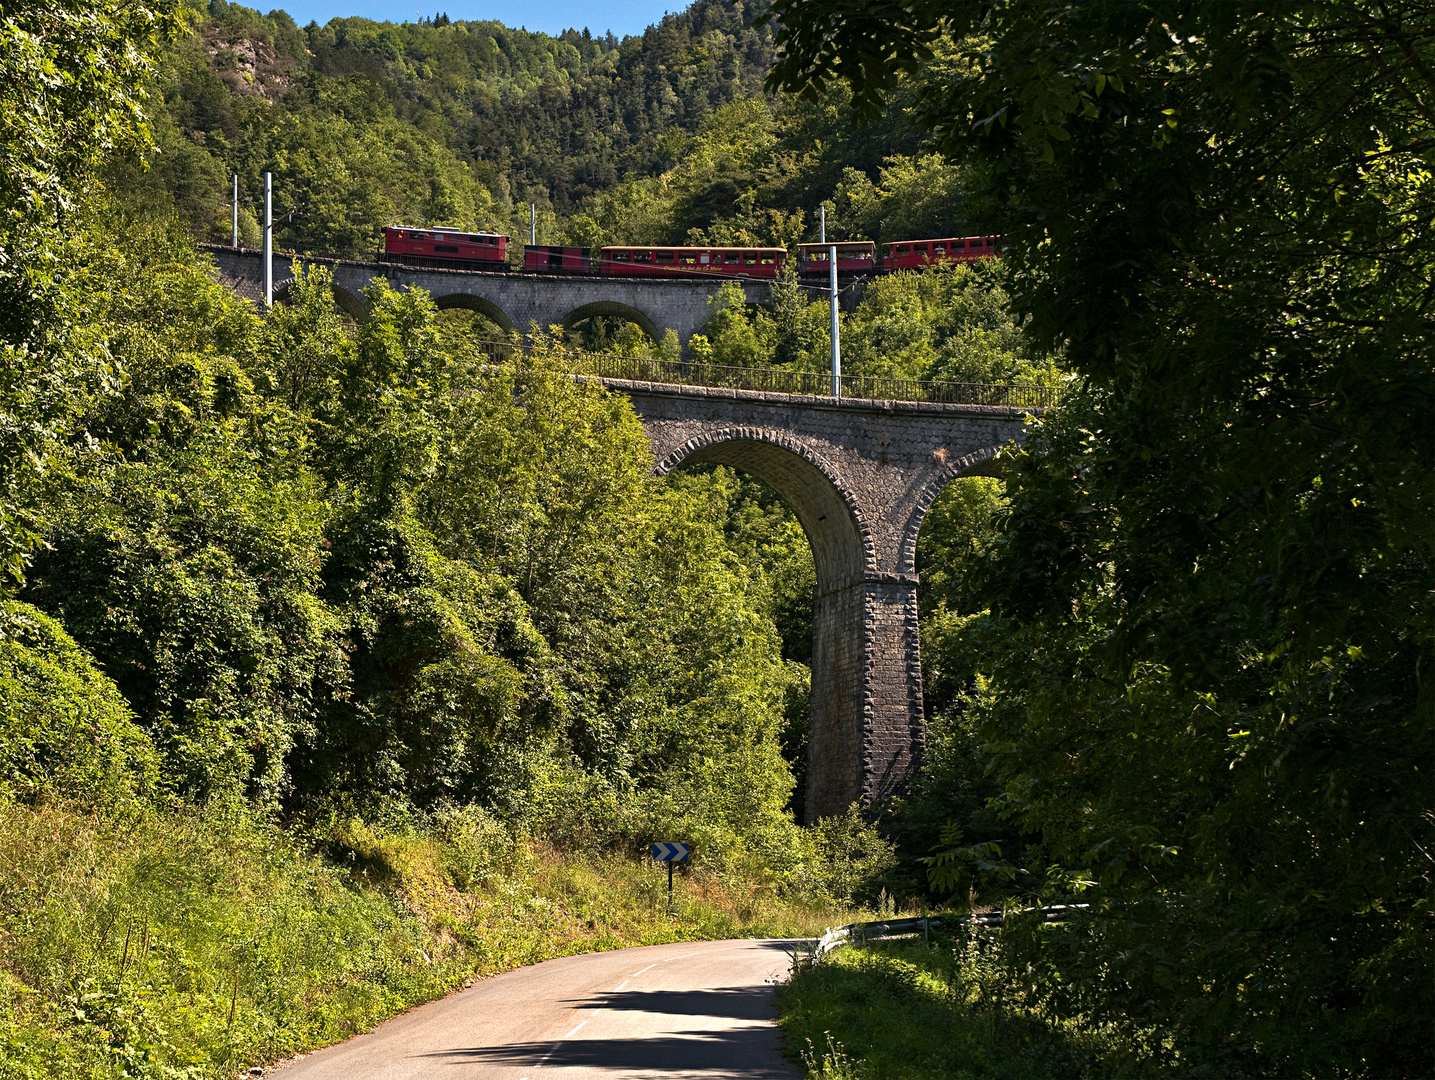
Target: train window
point(750, 258)
point(665, 256)
point(687, 258)
point(903, 249)
point(416, 236)
point(767, 260)
point(733, 258)
point(939, 249)
point(705, 258)
point(620, 256)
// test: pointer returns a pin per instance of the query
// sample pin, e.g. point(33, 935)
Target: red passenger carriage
point(454, 250)
point(916, 254)
point(855, 258)
point(547, 259)
point(688, 262)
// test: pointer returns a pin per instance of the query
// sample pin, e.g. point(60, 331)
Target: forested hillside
point(660, 137)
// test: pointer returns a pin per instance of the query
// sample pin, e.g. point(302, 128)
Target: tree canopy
point(1210, 621)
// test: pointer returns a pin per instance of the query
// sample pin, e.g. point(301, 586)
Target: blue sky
point(549, 16)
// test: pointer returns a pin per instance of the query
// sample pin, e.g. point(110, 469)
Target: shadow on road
point(736, 1002)
point(748, 1053)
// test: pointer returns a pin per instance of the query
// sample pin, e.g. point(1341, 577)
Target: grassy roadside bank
point(189, 945)
point(938, 1011)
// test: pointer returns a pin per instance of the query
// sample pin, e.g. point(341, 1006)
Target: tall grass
point(942, 1011)
point(194, 943)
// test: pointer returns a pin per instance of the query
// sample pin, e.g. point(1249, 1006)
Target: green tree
point(1208, 605)
point(952, 323)
point(69, 94)
point(184, 555)
point(65, 730)
point(914, 196)
point(734, 335)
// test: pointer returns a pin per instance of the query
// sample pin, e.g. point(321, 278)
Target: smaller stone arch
point(346, 301)
point(616, 309)
point(978, 463)
point(350, 304)
point(468, 302)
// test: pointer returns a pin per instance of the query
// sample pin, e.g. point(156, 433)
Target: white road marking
point(572, 1033)
point(648, 968)
point(620, 986)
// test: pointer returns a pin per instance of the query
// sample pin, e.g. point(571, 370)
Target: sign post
point(670, 853)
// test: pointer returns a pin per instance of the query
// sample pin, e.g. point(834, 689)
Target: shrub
point(65, 731)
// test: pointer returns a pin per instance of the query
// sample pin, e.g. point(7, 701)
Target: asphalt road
point(695, 1009)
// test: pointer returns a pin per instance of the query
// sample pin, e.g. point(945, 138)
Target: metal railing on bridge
point(783, 381)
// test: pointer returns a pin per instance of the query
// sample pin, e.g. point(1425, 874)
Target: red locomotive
point(445, 248)
point(691, 262)
point(916, 254)
point(855, 258)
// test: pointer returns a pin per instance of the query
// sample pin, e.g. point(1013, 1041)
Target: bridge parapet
point(816, 385)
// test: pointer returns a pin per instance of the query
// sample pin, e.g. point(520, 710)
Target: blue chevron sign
point(670, 853)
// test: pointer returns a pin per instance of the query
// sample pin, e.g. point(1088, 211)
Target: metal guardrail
point(838, 936)
point(807, 383)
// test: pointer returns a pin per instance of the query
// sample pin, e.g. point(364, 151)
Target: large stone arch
point(616, 309)
point(834, 522)
point(469, 302)
point(842, 552)
point(978, 463)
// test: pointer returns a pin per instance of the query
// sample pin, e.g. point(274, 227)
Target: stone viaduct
point(858, 474)
point(513, 301)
